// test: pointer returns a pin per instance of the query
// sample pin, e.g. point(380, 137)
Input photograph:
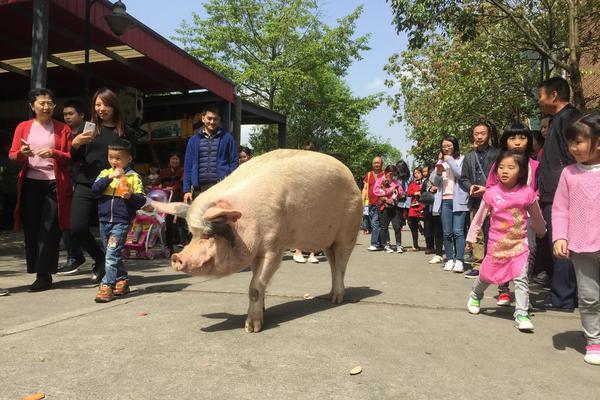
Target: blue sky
point(364, 77)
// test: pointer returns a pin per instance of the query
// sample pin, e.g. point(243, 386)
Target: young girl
point(509, 203)
point(415, 212)
point(389, 191)
point(403, 175)
point(575, 224)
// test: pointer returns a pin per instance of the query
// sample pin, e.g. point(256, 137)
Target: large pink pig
point(281, 200)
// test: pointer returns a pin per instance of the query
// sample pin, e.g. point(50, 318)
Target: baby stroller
point(146, 237)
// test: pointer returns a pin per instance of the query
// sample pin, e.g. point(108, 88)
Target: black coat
point(470, 166)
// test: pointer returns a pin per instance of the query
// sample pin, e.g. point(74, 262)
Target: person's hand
point(117, 172)
point(440, 156)
point(433, 189)
point(468, 247)
point(169, 188)
point(560, 249)
point(26, 150)
point(44, 153)
point(417, 193)
point(439, 168)
point(126, 195)
point(187, 197)
point(82, 138)
point(476, 191)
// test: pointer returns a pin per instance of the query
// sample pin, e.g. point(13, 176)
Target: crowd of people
point(526, 205)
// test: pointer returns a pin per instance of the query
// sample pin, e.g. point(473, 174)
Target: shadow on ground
point(569, 339)
point(276, 315)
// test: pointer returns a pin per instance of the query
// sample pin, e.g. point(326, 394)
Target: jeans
point(453, 225)
point(113, 236)
point(374, 216)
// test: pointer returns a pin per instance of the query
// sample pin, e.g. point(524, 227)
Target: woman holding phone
point(90, 149)
point(42, 147)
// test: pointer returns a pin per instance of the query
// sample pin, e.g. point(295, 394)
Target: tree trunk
point(575, 56)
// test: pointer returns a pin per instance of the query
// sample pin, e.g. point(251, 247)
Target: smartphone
point(90, 126)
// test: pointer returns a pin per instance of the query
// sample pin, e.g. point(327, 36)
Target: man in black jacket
point(554, 95)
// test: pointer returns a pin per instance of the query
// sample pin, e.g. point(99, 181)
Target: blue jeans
point(374, 216)
point(453, 224)
point(113, 237)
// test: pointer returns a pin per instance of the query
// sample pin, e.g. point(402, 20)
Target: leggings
point(84, 212)
point(413, 223)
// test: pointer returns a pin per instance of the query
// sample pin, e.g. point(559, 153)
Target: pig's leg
point(262, 271)
point(338, 263)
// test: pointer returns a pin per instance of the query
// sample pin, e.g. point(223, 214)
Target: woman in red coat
point(42, 146)
point(415, 212)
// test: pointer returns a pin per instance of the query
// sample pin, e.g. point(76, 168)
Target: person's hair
point(246, 150)
point(76, 104)
point(454, 141)
point(558, 85)
point(390, 168)
point(120, 145)
point(587, 127)
point(213, 110)
point(110, 99)
point(308, 145)
point(514, 130)
point(418, 168)
point(522, 161)
point(34, 93)
point(174, 153)
point(402, 170)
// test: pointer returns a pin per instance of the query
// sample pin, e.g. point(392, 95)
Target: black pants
point(39, 215)
point(176, 231)
point(434, 234)
point(394, 215)
point(84, 213)
point(413, 224)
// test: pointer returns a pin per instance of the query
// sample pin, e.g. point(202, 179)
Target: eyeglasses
point(448, 147)
point(49, 104)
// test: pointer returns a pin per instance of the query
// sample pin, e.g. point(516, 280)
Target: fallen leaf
point(356, 370)
point(42, 358)
point(142, 314)
point(307, 296)
point(35, 396)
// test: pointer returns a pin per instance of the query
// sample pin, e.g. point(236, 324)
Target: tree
point(559, 31)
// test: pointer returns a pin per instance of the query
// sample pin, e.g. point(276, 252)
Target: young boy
point(121, 192)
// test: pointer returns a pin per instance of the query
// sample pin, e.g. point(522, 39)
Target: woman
point(453, 207)
point(171, 178)
point(415, 213)
point(403, 175)
point(245, 154)
point(90, 149)
point(432, 221)
point(42, 146)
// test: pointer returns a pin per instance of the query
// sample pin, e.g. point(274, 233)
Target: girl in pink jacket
point(390, 193)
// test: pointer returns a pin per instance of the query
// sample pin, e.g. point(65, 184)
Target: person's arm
point(15, 149)
point(63, 155)
point(137, 198)
point(412, 189)
point(436, 179)
point(538, 224)
point(377, 189)
point(101, 183)
point(455, 166)
point(464, 179)
point(477, 222)
point(560, 209)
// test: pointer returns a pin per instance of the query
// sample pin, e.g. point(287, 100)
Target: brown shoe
point(105, 294)
point(122, 287)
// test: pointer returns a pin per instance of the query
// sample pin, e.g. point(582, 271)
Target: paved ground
point(404, 322)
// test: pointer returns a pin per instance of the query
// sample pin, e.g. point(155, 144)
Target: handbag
point(427, 198)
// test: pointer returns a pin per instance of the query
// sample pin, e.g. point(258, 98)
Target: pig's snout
point(178, 261)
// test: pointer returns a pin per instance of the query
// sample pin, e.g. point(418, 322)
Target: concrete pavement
point(404, 321)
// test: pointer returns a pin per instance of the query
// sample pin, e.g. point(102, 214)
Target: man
point(74, 117)
point(373, 202)
point(554, 95)
point(475, 170)
point(211, 154)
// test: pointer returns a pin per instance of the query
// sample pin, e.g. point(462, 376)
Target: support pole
point(237, 121)
point(282, 135)
point(39, 43)
point(226, 116)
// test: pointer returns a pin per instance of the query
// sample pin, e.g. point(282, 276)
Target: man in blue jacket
point(211, 154)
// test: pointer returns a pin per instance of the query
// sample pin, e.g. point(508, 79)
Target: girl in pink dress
point(576, 224)
point(511, 202)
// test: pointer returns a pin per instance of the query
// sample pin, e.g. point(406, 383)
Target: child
point(153, 177)
point(403, 176)
point(390, 192)
point(121, 194)
point(575, 224)
point(509, 203)
point(415, 212)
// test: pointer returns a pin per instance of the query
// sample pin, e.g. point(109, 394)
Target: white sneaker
point(523, 323)
point(592, 354)
point(473, 305)
point(388, 249)
point(449, 265)
point(312, 259)
point(373, 248)
point(299, 259)
point(458, 267)
point(399, 249)
point(436, 260)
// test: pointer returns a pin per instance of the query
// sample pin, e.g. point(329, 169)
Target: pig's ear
point(178, 209)
point(222, 210)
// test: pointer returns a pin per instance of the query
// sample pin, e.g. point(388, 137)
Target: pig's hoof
point(337, 298)
point(253, 326)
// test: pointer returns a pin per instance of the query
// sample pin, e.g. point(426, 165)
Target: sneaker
point(105, 294)
point(388, 249)
point(312, 259)
point(41, 283)
point(449, 265)
point(373, 248)
point(458, 267)
point(70, 268)
point(592, 354)
point(472, 274)
point(523, 323)
point(4, 292)
point(503, 299)
point(473, 305)
point(97, 272)
point(436, 260)
point(121, 287)
point(399, 249)
point(299, 258)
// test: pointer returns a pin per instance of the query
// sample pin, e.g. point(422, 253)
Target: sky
point(365, 76)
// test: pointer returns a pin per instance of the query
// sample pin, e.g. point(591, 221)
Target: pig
point(284, 199)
